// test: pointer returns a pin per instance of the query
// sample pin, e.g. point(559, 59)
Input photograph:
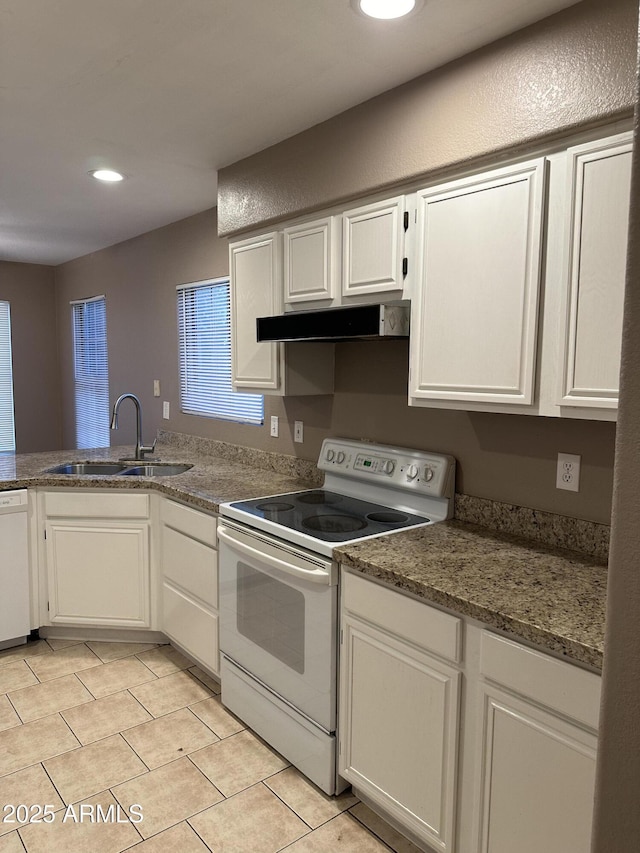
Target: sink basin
point(151, 470)
point(88, 468)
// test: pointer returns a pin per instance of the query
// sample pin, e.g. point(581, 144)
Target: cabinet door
point(98, 574)
point(256, 282)
point(310, 252)
point(537, 785)
point(372, 248)
point(398, 730)
point(594, 272)
point(475, 311)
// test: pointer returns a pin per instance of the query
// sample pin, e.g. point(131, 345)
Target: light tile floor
point(91, 730)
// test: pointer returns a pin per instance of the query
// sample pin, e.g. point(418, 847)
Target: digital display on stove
point(366, 463)
point(329, 516)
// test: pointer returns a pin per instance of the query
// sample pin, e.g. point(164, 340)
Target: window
point(204, 328)
point(91, 372)
point(7, 425)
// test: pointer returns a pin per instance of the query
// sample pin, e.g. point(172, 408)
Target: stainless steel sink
point(151, 470)
point(94, 468)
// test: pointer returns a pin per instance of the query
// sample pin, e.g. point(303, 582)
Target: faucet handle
point(146, 449)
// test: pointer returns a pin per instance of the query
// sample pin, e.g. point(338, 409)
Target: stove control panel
point(374, 464)
point(397, 467)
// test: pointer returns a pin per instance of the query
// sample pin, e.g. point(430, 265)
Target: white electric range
point(279, 588)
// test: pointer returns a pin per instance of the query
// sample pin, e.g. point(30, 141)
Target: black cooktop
point(329, 516)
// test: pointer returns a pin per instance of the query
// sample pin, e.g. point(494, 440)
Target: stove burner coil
point(334, 523)
point(318, 498)
point(274, 506)
point(388, 517)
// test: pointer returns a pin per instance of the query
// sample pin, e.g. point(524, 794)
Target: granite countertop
point(213, 479)
point(550, 597)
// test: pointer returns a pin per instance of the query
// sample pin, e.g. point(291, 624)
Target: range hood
point(356, 322)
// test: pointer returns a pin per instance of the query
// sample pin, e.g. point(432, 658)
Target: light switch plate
point(274, 426)
point(165, 410)
point(156, 387)
point(298, 431)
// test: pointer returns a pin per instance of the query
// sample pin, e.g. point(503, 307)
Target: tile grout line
point(284, 803)
point(193, 829)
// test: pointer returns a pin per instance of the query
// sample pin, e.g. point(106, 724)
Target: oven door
point(278, 618)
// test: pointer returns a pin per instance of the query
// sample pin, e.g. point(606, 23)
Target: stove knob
point(388, 466)
point(428, 473)
point(412, 472)
point(340, 457)
point(330, 454)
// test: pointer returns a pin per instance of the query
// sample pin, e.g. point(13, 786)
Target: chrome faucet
point(141, 449)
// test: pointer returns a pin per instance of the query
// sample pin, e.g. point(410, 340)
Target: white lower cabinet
point(399, 709)
point(536, 757)
point(481, 746)
point(97, 559)
point(189, 568)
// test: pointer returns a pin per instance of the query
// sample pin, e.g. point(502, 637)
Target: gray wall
point(36, 380)
point(138, 278)
point(617, 816)
point(569, 70)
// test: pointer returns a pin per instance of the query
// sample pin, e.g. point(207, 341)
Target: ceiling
point(169, 91)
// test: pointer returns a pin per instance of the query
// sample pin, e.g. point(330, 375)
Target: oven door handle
point(315, 575)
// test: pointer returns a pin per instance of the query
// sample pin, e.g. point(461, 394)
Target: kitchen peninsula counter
point(549, 597)
point(216, 477)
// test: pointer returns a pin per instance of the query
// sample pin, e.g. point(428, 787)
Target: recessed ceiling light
point(107, 175)
point(386, 9)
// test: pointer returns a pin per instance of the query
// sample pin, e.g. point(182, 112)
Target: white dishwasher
point(14, 569)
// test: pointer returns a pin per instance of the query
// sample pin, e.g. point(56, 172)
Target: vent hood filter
point(357, 322)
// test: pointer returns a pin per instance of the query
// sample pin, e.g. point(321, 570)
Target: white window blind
point(204, 329)
point(91, 372)
point(7, 425)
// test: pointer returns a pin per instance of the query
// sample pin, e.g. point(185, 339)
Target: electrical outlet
point(274, 426)
point(165, 410)
point(298, 431)
point(568, 472)
point(156, 387)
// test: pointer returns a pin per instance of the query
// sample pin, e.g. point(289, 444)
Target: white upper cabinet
point(311, 261)
point(597, 214)
point(372, 251)
point(295, 369)
point(475, 310)
point(256, 291)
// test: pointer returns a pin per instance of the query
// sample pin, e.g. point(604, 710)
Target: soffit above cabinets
point(169, 92)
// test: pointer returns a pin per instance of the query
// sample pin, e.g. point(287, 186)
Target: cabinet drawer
point(404, 617)
point(559, 686)
point(106, 505)
point(190, 565)
point(191, 626)
point(190, 521)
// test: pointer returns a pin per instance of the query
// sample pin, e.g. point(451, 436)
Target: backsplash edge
point(558, 531)
point(267, 460)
